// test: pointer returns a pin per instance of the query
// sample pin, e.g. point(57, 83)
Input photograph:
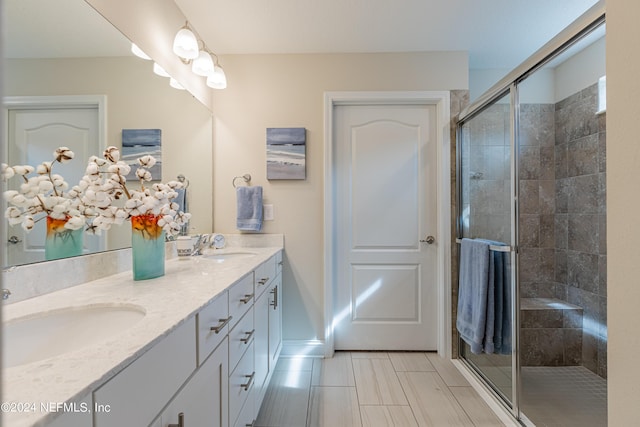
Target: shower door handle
point(430, 240)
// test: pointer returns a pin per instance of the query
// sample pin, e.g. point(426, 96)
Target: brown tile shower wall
point(563, 217)
point(580, 219)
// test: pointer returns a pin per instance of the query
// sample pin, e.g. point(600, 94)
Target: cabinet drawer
point(138, 393)
point(216, 316)
point(240, 384)
point(247, 415)
point(265, 273)
point(241, 338)
point(240, 298)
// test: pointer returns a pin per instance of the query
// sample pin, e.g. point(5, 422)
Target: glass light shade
point(160, 71)
point(217, 80)
point(185, 44)
point(138, 52)
point(203, 64)
point(174, 84)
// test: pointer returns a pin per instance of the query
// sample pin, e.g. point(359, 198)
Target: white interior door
point(33, 136)
point(386, 159)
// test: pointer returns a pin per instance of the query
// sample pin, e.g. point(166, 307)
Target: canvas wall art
point(140, 142)
point(286, 153)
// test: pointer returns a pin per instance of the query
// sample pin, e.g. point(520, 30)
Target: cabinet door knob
point(180, 421)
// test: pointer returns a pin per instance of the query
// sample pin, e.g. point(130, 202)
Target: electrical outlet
point(267, 212)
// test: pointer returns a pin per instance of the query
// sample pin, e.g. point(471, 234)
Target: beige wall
point(623, 205)
point(136, 99)
point(287, 90)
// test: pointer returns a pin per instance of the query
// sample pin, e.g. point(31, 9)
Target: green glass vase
point(62, 242)
point(147, 247)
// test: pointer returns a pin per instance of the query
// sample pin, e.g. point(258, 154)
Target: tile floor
point(564, 396)
point(372, 389)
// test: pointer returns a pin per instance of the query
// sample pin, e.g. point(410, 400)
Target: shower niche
point(532, 175)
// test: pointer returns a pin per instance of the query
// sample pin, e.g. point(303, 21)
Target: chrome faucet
point(5, 294)
point(200, 244)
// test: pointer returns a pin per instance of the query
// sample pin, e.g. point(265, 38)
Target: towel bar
point(494, 247)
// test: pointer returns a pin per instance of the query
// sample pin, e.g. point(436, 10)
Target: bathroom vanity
point(197, 347)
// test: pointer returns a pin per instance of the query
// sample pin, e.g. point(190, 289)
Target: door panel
point(386, 176)
point(34, 134)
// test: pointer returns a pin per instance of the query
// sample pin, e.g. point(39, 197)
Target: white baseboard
point(498, 408)
point(302, 348)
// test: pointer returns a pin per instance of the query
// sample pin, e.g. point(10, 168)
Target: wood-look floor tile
point(431, 401)
point(294, 364)
point(411, 361)
point(475, 407)
point(377, 382)
point(449, 373)
point(369, 355)
point(387, 416)
point(333, 407)
point(286, 401)
point(335, 371)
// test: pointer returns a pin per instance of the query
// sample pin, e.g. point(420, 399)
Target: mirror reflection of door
point(33, 136)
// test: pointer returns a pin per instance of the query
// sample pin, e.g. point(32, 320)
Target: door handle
point(14, 240)
point(430, 240)
point(180, 421)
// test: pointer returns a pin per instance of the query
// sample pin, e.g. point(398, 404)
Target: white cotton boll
point(74, 223)
point(10, 194)
point(57, 215)
point(112, 154)
point(20, 200)
point(61, 208)
point(143, 174)
point(132, 203)
point(23, 169)
point(7, 171)
point(92, 169)
point(28, 223)
point(63, 154)
point(147, 161)
point(45, 186)
point(43, 168)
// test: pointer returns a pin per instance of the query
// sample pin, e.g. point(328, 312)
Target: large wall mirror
point(63, 56)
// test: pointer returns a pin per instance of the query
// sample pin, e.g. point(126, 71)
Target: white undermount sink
point(44, 335)
point(221, 256)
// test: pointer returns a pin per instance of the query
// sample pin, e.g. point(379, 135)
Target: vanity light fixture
point(174, 84)
point(138, 52)
point(203, 64)
point(217, 80)
point(159, 70)
point(185, 44)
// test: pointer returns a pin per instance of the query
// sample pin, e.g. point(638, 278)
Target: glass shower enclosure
point(531, 175)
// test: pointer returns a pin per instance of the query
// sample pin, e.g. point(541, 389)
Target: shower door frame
point(585, 24)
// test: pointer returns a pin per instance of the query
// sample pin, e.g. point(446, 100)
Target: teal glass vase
point(62, 242)
point(147, 247)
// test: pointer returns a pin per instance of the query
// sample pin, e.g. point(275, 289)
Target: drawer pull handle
point(274, 303)
point(248, 383)
point(281, 263)
point(218, 328)
point(248, 336)
point(263, 280)
point(180, 421)
point(247, 298)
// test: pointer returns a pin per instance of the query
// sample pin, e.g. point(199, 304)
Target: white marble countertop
point(187, 286)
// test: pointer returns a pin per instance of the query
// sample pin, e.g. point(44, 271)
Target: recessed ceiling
point(496, 33)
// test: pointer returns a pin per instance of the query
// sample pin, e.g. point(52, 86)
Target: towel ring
point(182, 179)
point(246, 177)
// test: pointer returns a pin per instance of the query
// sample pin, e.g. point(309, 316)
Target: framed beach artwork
point(286, 153)
point(140, 142)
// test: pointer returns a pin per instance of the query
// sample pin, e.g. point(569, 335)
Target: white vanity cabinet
point(136, 395)
point(211, 370)
point(203, 400)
